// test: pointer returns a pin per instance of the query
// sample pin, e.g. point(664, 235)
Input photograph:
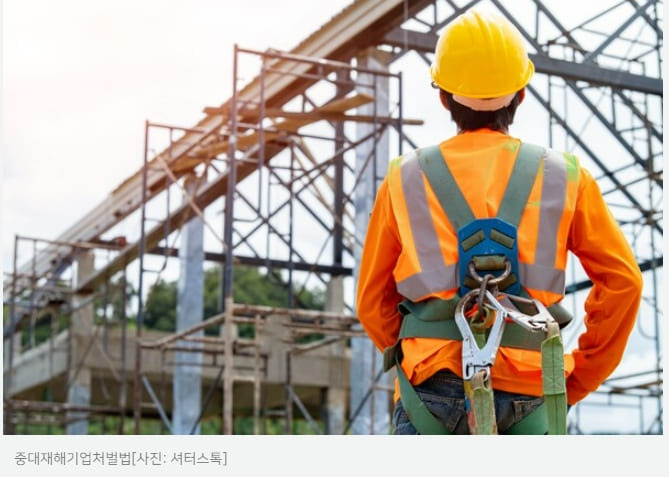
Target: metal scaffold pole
point(137, 384)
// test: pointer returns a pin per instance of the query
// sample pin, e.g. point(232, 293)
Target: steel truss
point(280, 154)
point(603, 75)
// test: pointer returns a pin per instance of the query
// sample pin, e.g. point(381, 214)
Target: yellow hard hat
point(481, 54)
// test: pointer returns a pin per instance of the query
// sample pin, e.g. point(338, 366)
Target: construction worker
point(530, 204)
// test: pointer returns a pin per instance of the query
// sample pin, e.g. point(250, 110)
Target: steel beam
point(644, 266)
point(592, 56)
point(263, 262)
point(589, 72)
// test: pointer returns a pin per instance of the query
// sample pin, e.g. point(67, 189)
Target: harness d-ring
point(493, 281)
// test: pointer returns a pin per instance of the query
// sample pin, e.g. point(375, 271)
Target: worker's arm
point(377, 296)
point(613, 302)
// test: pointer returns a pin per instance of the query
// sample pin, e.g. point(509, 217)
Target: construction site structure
point(282, 176)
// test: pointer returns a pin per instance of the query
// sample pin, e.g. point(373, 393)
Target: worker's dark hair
point(469, 120)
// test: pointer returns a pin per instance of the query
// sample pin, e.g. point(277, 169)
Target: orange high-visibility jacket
point(410, 251)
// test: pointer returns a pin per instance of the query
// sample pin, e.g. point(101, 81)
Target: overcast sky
point(81, 77)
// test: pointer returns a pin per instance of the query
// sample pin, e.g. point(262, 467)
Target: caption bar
point(126, 459)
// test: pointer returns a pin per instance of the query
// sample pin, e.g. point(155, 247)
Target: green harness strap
point(520, 183)
point(554, 386)
point(534, 423)
point(445, 188)
point(551, 416)
point(420, 416)
point(453, 202)
point(537, 422)
point(434, 318)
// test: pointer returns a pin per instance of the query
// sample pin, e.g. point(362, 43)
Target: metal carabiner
point(474, 358)
point(536, 322)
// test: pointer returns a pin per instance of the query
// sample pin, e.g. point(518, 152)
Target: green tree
point(250, 286)
point(253, 287)
point(161, 306)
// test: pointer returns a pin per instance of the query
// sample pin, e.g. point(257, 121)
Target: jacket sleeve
point(377, 296)
point(613, 302)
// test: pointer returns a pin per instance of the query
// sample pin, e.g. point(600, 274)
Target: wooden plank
point(254, 115)
point(245, 141)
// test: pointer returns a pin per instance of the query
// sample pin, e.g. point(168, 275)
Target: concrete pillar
point(11, 351)
point(79, 375)
point(187, 382)
point(336, 395)
point(11, 345)
point(366, 360)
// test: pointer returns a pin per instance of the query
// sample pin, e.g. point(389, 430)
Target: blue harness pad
point(487, 237)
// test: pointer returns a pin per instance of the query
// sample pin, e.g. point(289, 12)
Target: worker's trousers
point(443, 394)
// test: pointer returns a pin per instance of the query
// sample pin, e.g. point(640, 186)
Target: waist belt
point(434, 318)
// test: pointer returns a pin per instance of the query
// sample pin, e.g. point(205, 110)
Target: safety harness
point(491, 308)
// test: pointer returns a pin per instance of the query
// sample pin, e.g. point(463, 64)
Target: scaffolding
point(279, 177)
point(262, 133)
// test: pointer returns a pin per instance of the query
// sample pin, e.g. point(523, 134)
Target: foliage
point(109, 425)
point(112, 305)
point(55, 317)
point(250, 286)
point(45, 326)
point(160, 310)
point(276, 427)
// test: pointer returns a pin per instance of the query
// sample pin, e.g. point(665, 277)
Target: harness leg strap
point(420, 416)
point(535, 423)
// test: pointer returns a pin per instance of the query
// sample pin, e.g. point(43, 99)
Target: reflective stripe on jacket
point(428, 262)
point(411, 251)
